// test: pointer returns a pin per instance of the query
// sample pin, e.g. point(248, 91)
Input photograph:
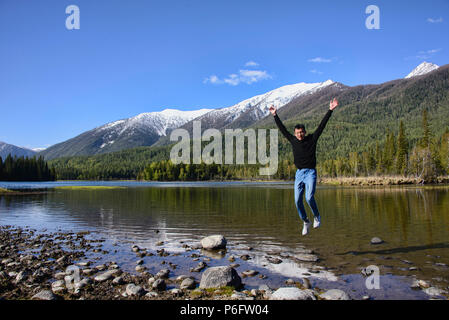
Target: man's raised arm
point(280, 125)
point(332, 105)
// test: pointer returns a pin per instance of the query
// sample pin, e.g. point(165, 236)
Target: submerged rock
point(307, 257)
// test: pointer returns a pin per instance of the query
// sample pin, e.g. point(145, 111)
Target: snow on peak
point(278, 97)
point(423, 68)
point(160, 121)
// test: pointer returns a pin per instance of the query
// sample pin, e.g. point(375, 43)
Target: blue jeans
point(305, 179)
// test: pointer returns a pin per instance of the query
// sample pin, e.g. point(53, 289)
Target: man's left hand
point(333, 104)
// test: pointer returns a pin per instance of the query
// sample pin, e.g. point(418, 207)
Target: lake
point(258, 219)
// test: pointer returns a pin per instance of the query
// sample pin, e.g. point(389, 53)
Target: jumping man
point(304, 153)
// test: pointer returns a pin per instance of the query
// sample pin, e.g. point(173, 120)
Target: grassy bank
point(4, 191)
point(88, 187)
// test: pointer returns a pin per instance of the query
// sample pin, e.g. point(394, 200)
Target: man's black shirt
point(304, 151)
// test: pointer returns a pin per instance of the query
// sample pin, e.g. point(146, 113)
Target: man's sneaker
point(305, 229)
point(316, 222)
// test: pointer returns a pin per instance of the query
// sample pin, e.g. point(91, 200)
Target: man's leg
point(310, 184)
point(299, 192)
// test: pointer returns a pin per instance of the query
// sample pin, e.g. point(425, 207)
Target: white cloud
point(424, 54)
point(244, 76)
point(320, 60)
point(251, 64)
point(212, 79)
point(431, 20)
point(316, 71)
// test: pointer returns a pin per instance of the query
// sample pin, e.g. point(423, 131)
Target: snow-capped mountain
point(142, 130)
point(253, 109)
point(146, 129)
point(151, 122)
point(423, 68)
point(6, 149)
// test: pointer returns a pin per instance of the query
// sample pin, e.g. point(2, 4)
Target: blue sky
point(130, 57)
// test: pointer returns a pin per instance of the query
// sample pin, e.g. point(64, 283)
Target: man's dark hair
point(300, 126)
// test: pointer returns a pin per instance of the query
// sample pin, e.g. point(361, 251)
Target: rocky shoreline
point(55, 266)
point(380, 181)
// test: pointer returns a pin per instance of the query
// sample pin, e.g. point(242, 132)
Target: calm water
point(413, 222)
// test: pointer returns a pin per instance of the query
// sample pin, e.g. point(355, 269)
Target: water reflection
point(412, 221)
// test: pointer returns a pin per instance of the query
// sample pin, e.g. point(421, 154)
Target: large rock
point(335, 294)
point(214, 242)
point(216, 277)
point(292, 293)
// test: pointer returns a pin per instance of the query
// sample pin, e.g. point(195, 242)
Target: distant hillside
point(6, 149)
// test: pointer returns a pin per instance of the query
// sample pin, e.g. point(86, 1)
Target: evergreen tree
point(402, 151)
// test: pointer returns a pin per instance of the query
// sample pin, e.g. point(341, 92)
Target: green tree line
point(425, 160)
point(25, 169)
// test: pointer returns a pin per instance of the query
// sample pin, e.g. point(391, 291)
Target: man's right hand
point(273, 110)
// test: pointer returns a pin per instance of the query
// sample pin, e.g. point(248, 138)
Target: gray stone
point(240, 296)
point(376, 240)
point(44, 295)
point(58, 283)
point(181, 278)
point(188, 283)
point(274, 260)
point(176, 292)
point(152, 294)
point(306, 283)
point(335, 294)
point(60, 275)
point(307, 257)
point(89, 271)
point(216, 277)
point(159, 285)
point(163, 274)
point(100, 267)
point(118, 280)
point(7, 261)
point(133, 290)
point(140, 268)
point(250, 273)
point(292, 293)
point(432, 291)
point(214, 242)
point(423, 284)
point(22, 275)
point(82, 284)
point(107, 275)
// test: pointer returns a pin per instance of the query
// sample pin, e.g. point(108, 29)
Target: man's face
point(300, 134)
